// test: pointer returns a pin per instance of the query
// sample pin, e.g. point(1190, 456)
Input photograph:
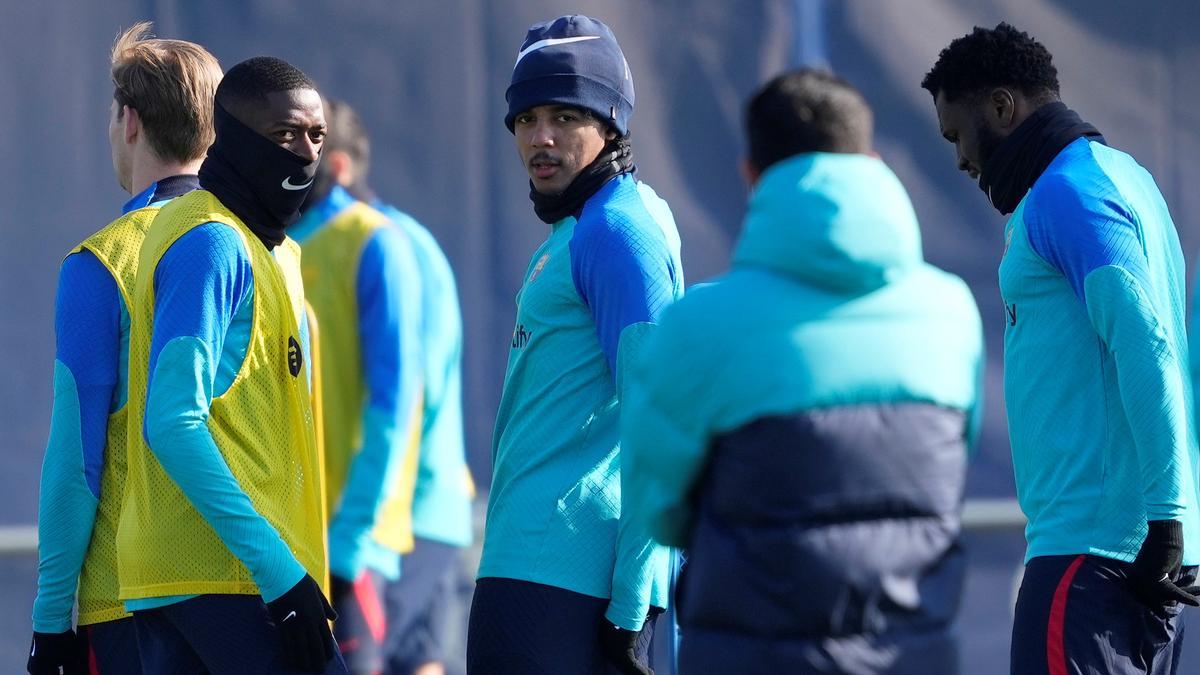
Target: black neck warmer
point(323, 183)
point(615, 159)
point(262, 183)
point(1021, 158)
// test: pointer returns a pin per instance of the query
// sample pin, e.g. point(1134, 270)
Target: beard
point(988, 141)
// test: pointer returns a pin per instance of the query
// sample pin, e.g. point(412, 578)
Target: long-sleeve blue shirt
point(388, 304)
point(204, 294)
point(91, 373)
point(1096, 385)
point(589, 297)
point(444, 490)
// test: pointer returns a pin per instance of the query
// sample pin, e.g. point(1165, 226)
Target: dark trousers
point(523, 628)
point(361, 626)
point(1075, 615)
point(417, 605)
point(111, 647)
point(214, 635)
point(716, 652)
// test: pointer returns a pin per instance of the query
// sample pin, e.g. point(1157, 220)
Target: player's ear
point(133, 123)
point(1002, 107)
point(340, 165)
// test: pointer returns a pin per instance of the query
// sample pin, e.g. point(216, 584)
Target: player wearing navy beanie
point(567, 582)
point(572, 60)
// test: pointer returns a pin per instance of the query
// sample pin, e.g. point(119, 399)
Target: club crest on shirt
point(295, 357)
point(537, 269)
point(1008, 231)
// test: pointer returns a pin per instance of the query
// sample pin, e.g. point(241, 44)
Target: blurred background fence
point(428, 79)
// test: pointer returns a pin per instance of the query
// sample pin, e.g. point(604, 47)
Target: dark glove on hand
point(1156, 568)
point(55, 654)
point(620, 649)
point(302, 616)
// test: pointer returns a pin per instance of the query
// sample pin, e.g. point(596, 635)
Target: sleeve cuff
point(626, 617)
point(273, 589)
point(52, 626)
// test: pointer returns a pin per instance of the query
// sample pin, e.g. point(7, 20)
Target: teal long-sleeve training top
point(590, 296)
point(1096, 359)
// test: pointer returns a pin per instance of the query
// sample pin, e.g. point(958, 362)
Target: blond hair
point(171, 84)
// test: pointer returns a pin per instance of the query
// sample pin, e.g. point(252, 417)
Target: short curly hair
point(251, 80)
point(998, 57)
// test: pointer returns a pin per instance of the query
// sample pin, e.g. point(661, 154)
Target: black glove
point(1154, 572)
point(55, 654)
point(620, 649)
point(302, 616)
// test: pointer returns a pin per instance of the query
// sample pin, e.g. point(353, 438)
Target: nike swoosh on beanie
point(550, 42)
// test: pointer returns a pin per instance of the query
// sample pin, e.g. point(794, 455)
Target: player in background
point(417, 603)
point(1096, 365)
point(221, 541)
point(810, 451)
point(160, 124)
point(569, 582)
point(361, 276)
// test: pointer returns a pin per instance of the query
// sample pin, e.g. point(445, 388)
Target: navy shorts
point(214, 635)
point(523, 628)
point(417, 605)
point(111, 647)
point(1075, 615)
point(361, 625)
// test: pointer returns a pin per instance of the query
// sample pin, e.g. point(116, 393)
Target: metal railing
point(979, 515)
point(18, 539)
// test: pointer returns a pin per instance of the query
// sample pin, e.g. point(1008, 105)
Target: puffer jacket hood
point(839, 222)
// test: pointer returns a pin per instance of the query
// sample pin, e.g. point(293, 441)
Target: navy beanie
point(576, 61)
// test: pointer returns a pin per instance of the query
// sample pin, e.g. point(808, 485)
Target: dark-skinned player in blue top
point(222, 540)
point(1096, 365)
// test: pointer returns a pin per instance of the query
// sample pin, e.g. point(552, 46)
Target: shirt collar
point(162, 190)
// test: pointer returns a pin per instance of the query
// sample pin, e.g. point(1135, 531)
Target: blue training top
point(204, 294)
point(589, 298)
point(444, 490)
point(1096, 385)
point(388, 301)
point(91, 376)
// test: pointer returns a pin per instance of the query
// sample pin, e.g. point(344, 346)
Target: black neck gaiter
point(1021, 158)
point(262, 183)
point(615, 159)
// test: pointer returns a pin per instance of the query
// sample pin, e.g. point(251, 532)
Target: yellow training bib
point(330, 267)
point(263, 427)
point(116, 247)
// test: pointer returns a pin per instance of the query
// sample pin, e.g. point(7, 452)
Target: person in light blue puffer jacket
point(802, 424)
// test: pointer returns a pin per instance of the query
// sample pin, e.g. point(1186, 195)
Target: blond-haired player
point(160, 126)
